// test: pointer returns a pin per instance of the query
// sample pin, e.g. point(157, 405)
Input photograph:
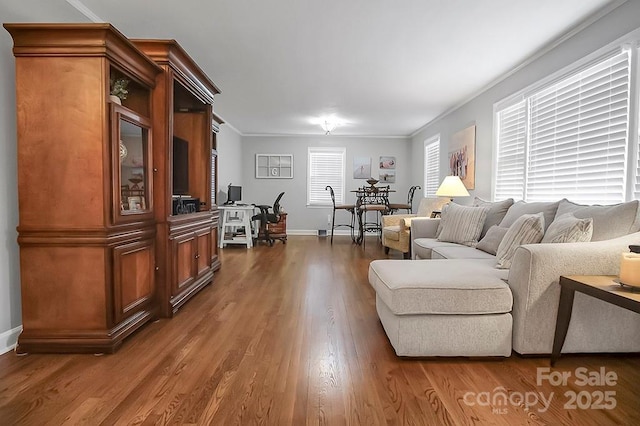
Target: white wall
point(300, 217)
point(619, 22)
point(10, 312)
point(229, 146)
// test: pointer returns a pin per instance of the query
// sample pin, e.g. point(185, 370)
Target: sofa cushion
point(527, 229)
point(440, 287)
point(462, 224)
point(497, 211)
point(569, 229)
point(459, 252)
point(521, 207)
point(492, 240)
point(422, 247)
point(391, 232)
point(609, 221)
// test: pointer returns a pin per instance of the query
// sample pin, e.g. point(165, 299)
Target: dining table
point(370, 199)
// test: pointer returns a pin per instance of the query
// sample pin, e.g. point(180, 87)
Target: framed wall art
point(387, 162)
point(274, 166)
point(462, 156)
point(361, 167)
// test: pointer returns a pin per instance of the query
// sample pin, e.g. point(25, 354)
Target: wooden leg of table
point(562, 323)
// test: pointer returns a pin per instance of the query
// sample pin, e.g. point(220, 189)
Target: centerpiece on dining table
point(371, 181)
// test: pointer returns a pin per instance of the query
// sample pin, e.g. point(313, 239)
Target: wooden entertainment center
point(102, 250)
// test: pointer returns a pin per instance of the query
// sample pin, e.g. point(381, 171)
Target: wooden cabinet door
point(184, 250)
point(133, 283)
point(214, 245)
point(203, 253)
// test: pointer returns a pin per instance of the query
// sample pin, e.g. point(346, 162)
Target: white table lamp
point(452, 186)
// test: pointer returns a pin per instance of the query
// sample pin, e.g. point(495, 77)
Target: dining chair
point(372, 199)
point(351, 208)
point(394, 207)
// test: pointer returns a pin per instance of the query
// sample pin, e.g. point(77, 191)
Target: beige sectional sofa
point(452, 300)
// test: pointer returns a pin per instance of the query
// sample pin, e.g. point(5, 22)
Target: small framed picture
point(387, 176)
point(135, 203)
point(387, 162)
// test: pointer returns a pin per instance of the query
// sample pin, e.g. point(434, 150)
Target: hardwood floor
point(288, 335)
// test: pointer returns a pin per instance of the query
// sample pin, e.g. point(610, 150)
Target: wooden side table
point(603, 287)
point(278, 231)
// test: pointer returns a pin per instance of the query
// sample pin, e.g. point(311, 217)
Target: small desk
point(603, 287)
point(235, 216)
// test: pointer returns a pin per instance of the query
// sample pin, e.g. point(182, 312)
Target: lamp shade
point(451, 187)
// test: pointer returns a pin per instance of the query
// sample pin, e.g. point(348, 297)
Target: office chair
point(351, 208)
point(266, 217)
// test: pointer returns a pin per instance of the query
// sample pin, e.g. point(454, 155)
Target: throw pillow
point(527, 229)
point(491, 241)
point(462, 224)
point(610, 221)
point(497, 211)
point(569, 229)
point(521, 207)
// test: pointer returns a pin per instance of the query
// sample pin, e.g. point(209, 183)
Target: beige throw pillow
point(527, 229)
point(497, 211)
point(609, 221)
point(462, 224)
point(491, 241)
point(521, 207)
point(569, 229)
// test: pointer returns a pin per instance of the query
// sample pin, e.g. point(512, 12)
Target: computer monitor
point(234, 194)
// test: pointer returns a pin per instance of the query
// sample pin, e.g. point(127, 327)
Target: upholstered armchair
point(396, 228)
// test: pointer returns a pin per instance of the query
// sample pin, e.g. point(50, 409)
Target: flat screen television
point(234, 194)
point(180, 166)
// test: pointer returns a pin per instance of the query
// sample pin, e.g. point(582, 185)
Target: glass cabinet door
point(131, 142)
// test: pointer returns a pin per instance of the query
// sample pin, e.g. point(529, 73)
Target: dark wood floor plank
point(289, 335)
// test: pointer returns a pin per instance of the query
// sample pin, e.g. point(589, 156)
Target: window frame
point(629, 44)
point(429, 142)
point(325, 199)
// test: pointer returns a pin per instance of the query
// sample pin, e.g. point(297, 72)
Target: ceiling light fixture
point(328, 125)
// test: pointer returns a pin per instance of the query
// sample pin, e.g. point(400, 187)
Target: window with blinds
point(214, 176)
point(568, 139)
point(510, 161)
point(431, 166)
point(325, 166)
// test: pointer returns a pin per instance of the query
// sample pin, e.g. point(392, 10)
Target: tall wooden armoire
point(87, 213)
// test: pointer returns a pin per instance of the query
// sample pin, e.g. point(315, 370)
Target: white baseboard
point(314, 232)
point(8, 339)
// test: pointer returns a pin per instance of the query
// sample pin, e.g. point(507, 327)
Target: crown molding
point(80, 7)
point(322, 135)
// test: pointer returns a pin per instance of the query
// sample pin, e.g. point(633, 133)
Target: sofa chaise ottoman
point(440, 311)
point(591, 245)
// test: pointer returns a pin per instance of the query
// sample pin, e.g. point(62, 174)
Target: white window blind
point(326, 166)
point(636, 187)
point(214, 176)
point(431, 166)
point(568, 139)
point(510, 162)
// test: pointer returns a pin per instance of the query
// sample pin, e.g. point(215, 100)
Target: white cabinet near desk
point(236, 225)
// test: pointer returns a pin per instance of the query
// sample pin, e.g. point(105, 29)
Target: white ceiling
point(386, 67)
